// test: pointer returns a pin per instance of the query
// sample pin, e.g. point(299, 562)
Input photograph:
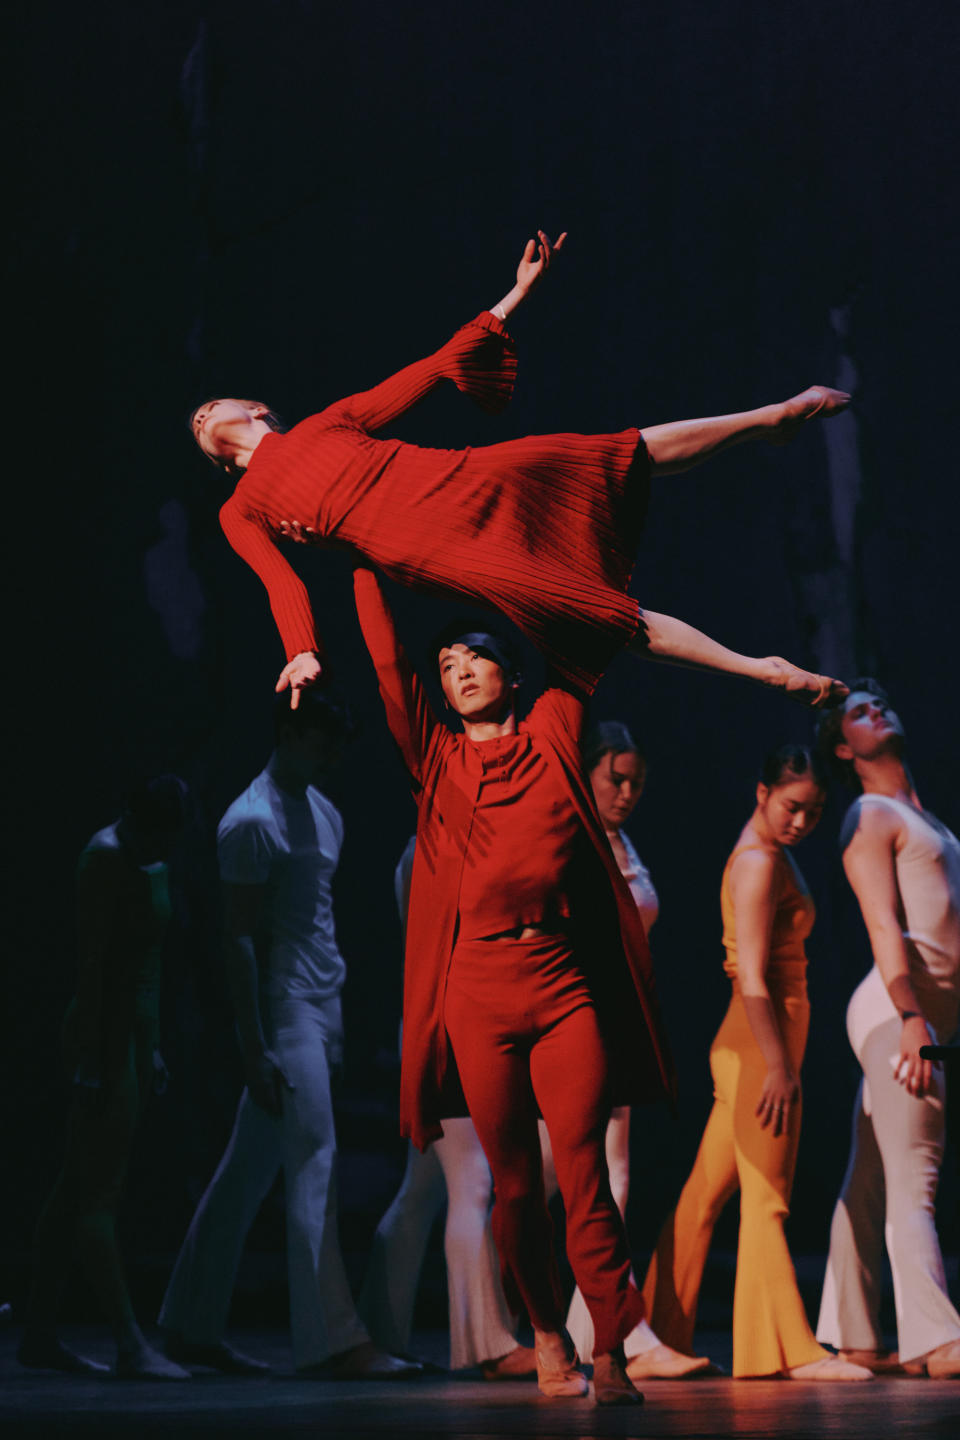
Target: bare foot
point(942, 1363)
point(518, 1364)
point(831, 1367)
point(145, 1363)
point(41, 1350)
point(363, 1362)
point(816, 692)
point(881, 1362)
point(816, 401)
point(665, 1363)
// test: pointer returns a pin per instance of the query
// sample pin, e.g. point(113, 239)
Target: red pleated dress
point(544, 528)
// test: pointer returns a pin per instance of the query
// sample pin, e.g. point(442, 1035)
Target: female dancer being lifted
point(544, 528)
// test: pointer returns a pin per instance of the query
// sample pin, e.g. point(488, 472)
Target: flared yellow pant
point(770, 1328)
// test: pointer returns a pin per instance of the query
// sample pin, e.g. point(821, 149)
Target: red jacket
point(608, 936)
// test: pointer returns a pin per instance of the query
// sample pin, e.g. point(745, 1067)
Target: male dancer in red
point(512, 868)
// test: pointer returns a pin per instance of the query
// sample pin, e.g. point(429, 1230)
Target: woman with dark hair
point(110, 1034)
point(544, 528)
point(618, 771)
point(753, 1131)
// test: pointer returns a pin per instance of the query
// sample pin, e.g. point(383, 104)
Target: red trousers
point(524, 1033)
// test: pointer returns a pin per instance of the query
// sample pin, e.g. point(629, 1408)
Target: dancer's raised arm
point(534, 264)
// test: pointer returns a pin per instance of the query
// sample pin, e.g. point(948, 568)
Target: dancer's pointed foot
point(940, 1364)
point(665, 1363)
point(41, 1350)
point(520, 1363)
point(142, 1362)
point(558, 1374)
point(816, 402)
point(831, 1368)
point(816, 692)
point(611, 1386)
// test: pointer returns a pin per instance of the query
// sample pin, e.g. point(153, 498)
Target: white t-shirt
point(291, 845)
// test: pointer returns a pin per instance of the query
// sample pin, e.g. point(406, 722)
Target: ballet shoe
point(817, 401)
point(558, 1374)
point(805, 687)
point(831, 1368)
point(880, 1362)
point(940, 1364)
point(611, 1385)
point(145, 1363)
point(665, 1363)
point(40, 1350)
point(520, 1363)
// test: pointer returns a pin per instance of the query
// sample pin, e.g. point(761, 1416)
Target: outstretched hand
point(535, 261)
point(302, 671)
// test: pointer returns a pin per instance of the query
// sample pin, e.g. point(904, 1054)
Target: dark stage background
point(292, 200)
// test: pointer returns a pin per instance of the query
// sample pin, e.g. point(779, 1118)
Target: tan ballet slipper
point(610, 1383)
point(831, 1368)
point(558, 1374)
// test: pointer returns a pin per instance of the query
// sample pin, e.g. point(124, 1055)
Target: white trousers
point(306, 1036)
point(481, 1326)
point(888, 1194)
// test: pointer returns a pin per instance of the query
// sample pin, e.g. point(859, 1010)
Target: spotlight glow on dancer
point(544, 528)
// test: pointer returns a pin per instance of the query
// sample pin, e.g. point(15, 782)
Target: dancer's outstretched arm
point(674, 642)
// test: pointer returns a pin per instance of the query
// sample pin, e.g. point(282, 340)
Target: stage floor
point(34, 1403)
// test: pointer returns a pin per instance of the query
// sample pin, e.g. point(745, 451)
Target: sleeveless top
point(792, 920)
point(928, 881)
point(642, 889)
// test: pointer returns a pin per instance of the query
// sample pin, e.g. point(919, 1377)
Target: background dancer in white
point(278, 847)
point(904, 867)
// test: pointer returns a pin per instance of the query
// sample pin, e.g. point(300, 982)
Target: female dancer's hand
point(913, 1072)
point(303, 670)
point(535, 263)
point(780, 1092)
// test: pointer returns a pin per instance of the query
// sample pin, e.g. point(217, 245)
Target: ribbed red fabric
point(544, 528)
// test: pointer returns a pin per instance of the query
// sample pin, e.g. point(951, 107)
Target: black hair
point(506, 651)
point(791, 762)
point(830, 734)
point(610, 737)
point(158, 804)
point(315, 711)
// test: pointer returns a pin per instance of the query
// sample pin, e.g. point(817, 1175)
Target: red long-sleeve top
point(543, 528)
point(605, 927)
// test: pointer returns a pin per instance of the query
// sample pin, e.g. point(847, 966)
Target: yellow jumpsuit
point(770, 1328)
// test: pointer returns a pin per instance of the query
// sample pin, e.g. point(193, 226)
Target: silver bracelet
point(499, 311)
